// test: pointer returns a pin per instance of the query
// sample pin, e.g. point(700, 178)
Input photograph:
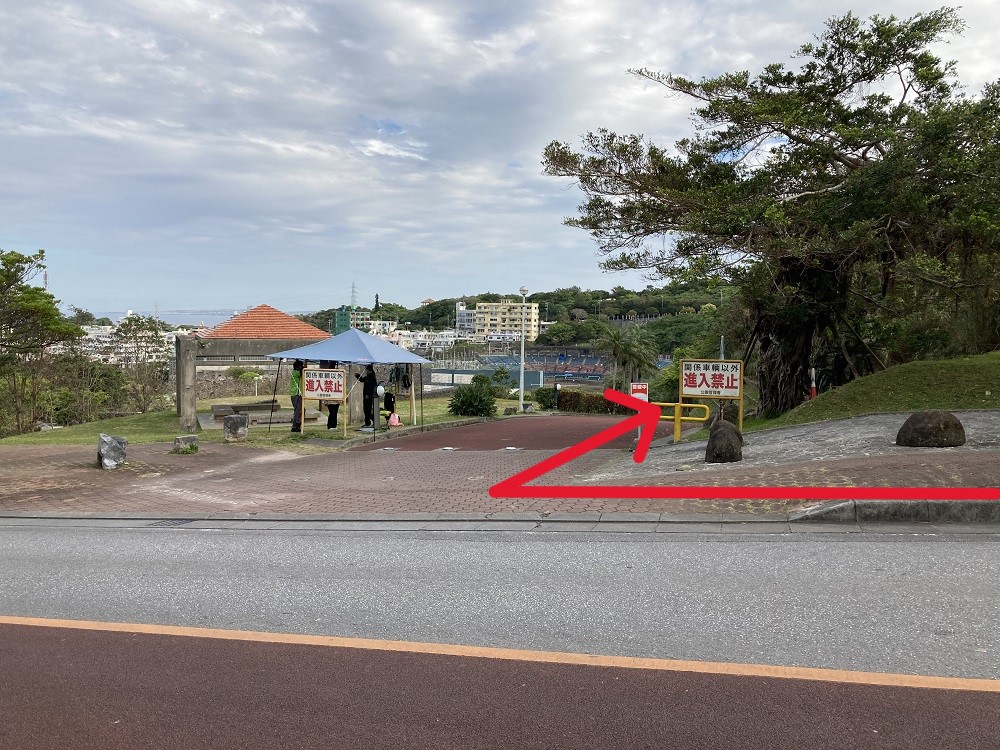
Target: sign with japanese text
point(711, 378)
point(640, 391)
point(328, 385)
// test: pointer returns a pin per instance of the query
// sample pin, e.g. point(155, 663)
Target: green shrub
point(493, 385)
point(546, 398)
point(588, 402)
point(665, 387)
point(243, 374)
point(502, 377)
point(474, 400)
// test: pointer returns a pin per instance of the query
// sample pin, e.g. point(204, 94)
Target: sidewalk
point(444, 476)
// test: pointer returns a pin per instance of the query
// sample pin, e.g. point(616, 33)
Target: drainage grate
point(173, 522)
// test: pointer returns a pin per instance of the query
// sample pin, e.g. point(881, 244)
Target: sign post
point(639, 391)
point(325, 385)
point(719, 379)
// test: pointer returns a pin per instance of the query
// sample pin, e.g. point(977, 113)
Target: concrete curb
point(850, 512)
point(401, 517)
point(907, 511)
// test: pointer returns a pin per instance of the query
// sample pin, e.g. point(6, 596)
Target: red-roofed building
point(243, 340)
point(264, 322)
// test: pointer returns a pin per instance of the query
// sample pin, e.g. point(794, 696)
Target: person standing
point(332, 406)
point(369, 384)
point(295, 391)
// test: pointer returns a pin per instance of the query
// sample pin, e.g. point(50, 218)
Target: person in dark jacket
point(370, 383)
point(332, 406)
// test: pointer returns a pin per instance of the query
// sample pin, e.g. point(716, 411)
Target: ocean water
point(182, 317)
point(175, 317)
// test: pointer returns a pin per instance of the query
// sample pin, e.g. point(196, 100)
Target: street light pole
point(520, 395)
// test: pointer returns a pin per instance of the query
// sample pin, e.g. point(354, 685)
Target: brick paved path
point(418, 474)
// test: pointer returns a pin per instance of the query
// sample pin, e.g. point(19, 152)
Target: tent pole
point(345, 415)
point(376, 409)
point(274, 396)
point(302, 401)
point(413, 397)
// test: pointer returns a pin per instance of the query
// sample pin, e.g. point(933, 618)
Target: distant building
point(465, 319)
point(382, 328)
point(346, 317)
point(261, 324)
point(99, 344)
point(505, 320)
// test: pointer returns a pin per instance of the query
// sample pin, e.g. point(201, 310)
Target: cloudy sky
point(226, 153)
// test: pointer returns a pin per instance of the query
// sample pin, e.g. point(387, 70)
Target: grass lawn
point(163, 426)
point(949, 384)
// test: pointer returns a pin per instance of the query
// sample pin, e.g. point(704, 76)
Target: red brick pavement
point(416, 475)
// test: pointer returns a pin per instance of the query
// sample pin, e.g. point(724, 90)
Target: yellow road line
point(548, 657)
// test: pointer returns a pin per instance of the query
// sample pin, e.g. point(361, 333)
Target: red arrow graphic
point(647, 417)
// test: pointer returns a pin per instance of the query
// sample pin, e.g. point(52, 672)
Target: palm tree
point(631, 349)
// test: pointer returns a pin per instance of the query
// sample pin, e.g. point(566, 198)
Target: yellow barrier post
point(678, 414)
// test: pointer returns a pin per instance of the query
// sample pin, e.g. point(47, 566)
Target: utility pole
point(722, 338)
point(520, 395)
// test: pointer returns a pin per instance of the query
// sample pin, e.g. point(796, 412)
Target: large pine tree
point(856, 182)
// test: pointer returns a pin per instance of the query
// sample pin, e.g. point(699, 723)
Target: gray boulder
point(235, 427)
point(110, 451)
point(722, 424)
point(931, 429)
point(725, 444)
point(184, 443)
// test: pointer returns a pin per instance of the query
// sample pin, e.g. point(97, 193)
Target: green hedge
point(475, 400)
point(546, 398)
point(588, 402)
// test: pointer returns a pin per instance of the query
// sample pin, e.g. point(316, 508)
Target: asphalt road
point(898, 604)
point(100, 690)
point(890, 603)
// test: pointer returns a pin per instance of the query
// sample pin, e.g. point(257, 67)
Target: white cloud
point(193, 152)
point(375, 147)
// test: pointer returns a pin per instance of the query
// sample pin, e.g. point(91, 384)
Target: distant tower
point(354, 294)
point(45, 279)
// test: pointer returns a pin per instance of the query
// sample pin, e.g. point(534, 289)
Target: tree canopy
point(860, 185)
point(29, 316)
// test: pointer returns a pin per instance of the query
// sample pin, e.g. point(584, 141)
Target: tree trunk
point(783, 364)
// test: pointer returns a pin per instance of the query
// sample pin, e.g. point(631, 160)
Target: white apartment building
point(382, 328)
point(98, 344)
point(465, 319)
point(438, 341)
point(507, 318)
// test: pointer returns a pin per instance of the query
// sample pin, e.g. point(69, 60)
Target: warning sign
point(640, 391)
point(711, 378)
point(326, 385)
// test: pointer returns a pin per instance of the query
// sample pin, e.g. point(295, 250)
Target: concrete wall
point(532, 378)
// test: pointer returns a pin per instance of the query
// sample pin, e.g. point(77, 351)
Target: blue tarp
point(353, 347)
